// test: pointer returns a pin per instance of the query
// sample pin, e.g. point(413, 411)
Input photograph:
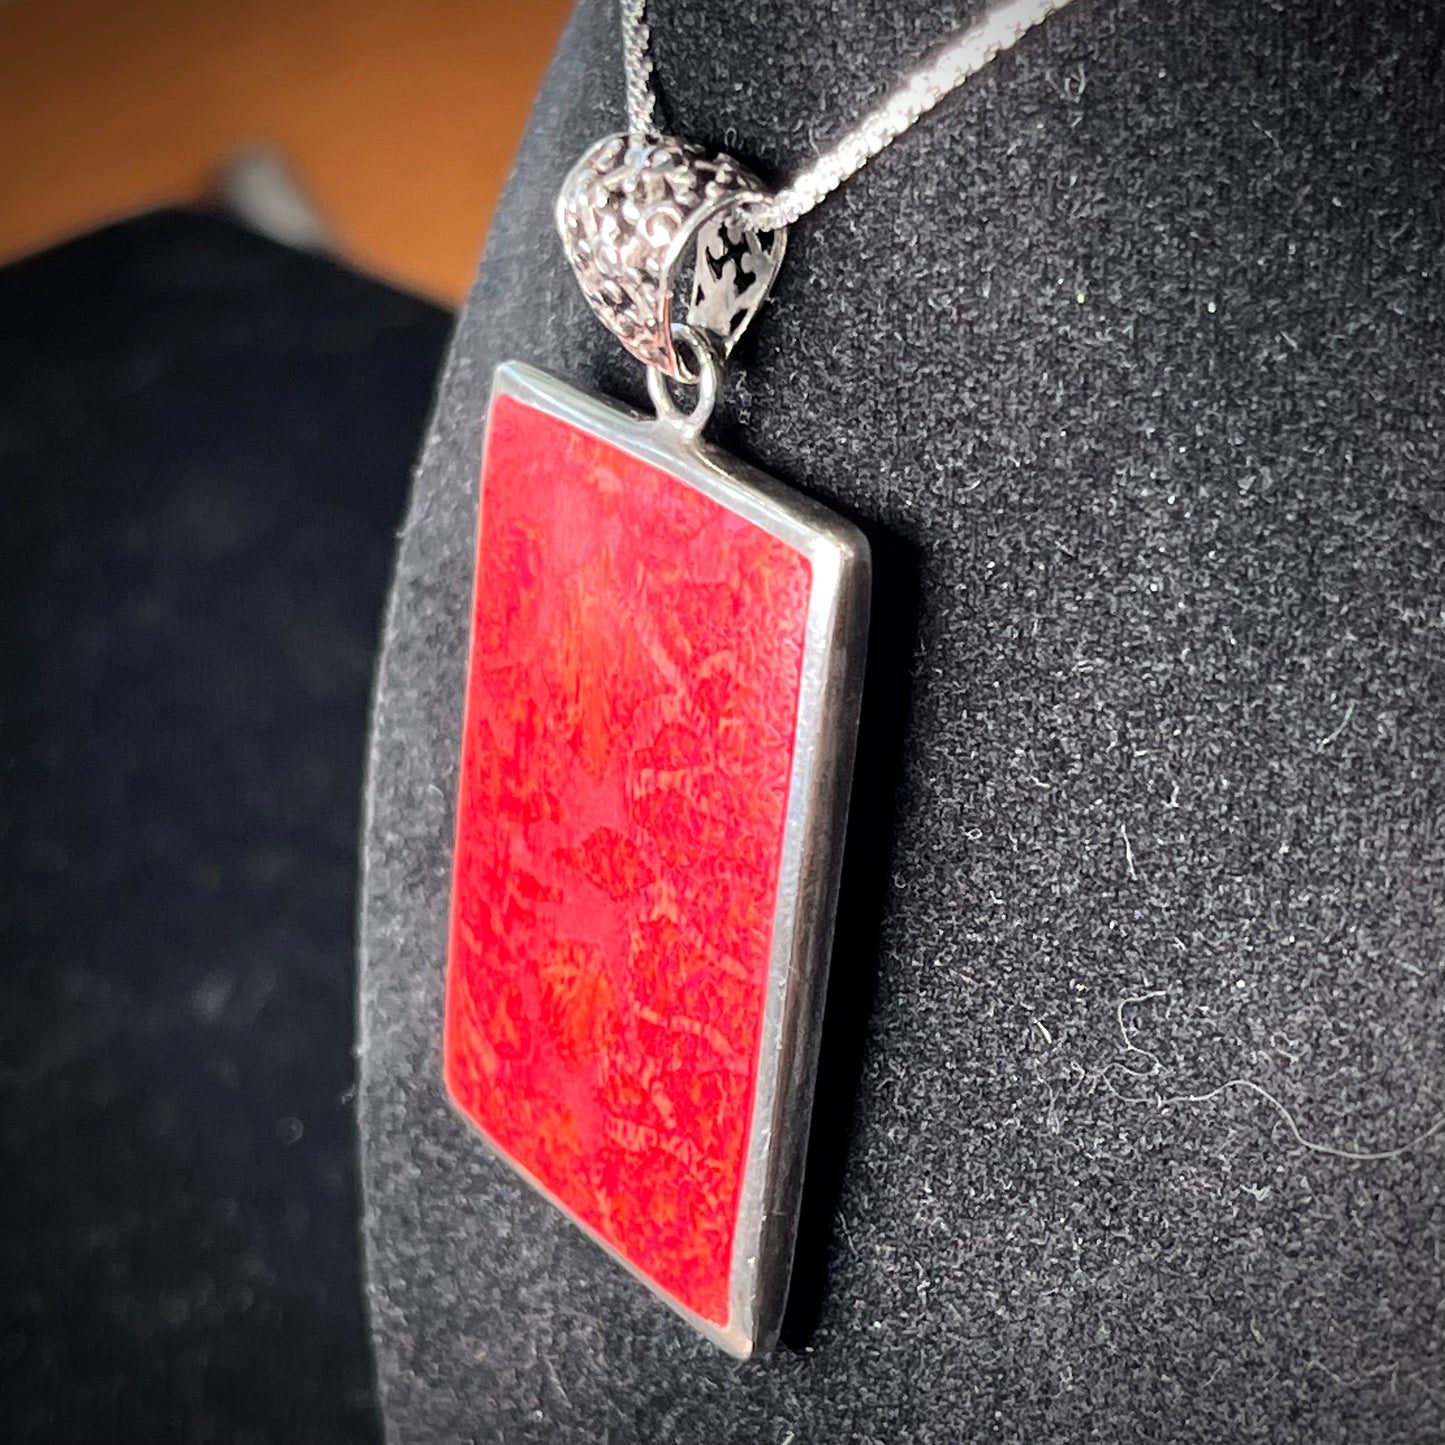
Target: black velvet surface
point(204, 446)
point(1130, 360)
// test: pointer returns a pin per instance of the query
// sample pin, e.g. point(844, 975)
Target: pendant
point(661, 708)
point(662, 699)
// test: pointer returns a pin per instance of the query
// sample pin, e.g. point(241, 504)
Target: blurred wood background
point(399, 117)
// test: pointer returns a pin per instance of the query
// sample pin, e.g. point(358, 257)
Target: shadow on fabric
point(867, 864)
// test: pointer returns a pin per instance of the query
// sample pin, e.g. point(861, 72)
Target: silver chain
point(999, 28)
point(637, 64)
point(635, 206)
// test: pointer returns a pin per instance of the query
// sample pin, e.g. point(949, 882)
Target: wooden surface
point(400, 119)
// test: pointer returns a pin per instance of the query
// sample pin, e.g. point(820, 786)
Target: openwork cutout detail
point(630, 212)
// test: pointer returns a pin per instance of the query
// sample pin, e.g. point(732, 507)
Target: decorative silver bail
point(628, 212)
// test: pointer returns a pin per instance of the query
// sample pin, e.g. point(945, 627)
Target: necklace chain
point(634, 205)
point(637, 65)
point(964, 54)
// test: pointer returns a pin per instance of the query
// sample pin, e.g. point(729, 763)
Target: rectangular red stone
point(627, 765)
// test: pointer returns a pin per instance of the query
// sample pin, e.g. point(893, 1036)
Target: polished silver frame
point(827, 725)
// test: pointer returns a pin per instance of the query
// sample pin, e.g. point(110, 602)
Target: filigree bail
point(628, 212)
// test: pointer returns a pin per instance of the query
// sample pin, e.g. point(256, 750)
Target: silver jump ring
point(703, 364)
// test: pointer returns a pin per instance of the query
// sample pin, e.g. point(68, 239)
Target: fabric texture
point(1130, 362)
point(204, 447)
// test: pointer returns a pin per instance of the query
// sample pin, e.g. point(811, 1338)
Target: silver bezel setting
point(826, 730)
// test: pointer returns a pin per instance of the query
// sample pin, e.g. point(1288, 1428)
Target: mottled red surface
point(629, 738)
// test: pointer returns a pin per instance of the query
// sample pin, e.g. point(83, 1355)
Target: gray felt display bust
point(1130, 362)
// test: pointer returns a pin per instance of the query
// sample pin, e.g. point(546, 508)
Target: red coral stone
point(631, 705)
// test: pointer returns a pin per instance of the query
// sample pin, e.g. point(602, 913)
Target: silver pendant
point(662, 705)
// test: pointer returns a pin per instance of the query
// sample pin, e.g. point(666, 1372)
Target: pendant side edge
point(448, 1087)
point(801, 958)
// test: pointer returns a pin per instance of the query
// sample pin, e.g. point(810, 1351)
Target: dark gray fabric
point(1129, 361)
point(204, 446)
